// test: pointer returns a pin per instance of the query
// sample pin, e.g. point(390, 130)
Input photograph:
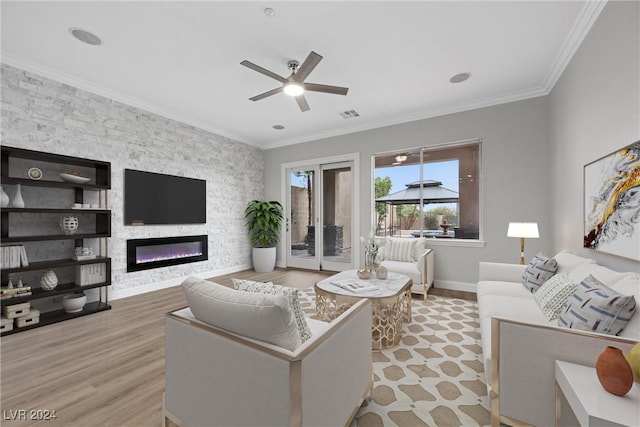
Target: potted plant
point(264, 220)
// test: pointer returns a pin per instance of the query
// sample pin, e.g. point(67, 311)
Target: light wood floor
point(105, 369)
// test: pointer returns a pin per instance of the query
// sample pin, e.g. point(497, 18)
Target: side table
point(590, 403)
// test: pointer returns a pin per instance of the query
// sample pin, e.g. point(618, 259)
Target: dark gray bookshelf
point(102, 217)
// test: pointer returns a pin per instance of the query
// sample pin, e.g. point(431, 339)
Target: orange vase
point(614, 372)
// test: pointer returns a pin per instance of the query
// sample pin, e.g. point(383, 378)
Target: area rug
point(435, 376)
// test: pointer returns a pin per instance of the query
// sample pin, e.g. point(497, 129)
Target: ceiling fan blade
point(307, 66)
point(263, 71)
point(264, 95)
point(302, 103)
point(336, 90)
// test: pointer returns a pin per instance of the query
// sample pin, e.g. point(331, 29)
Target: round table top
point(393, 285)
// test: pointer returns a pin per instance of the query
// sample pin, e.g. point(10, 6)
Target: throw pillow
point(596, 307)
point(539, 270)
point(399, 249)
point(420, 246)
point(263, 317)
point(553, 294)
point(292, 296)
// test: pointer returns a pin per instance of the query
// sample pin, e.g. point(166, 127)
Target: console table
point(590, 403)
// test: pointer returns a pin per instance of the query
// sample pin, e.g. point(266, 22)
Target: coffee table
point(390, 304)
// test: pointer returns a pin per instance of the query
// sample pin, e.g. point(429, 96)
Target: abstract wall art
point(612, 203)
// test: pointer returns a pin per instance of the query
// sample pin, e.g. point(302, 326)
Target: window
point(429, 191)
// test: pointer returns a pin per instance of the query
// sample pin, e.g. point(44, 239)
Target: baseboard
point(455, 286)
point(129, 292)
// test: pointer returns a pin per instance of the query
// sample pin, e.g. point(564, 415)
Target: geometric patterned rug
point(435, 376)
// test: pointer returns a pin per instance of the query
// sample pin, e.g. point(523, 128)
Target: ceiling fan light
point(293, 89)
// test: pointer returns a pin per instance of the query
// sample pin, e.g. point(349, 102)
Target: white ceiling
point(182, 59)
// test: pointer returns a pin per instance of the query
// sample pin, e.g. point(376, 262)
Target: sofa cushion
point(539, 270)
point(605, 275)
point(630, 285)
point(597, 308)
point(568, 261)
point(407, 268)
point(260, 316)
point(553, 294)
point(292, 295)
point(399, 249)
point(501, 288)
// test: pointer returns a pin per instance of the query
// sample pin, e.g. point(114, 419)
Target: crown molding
point(50, 73)
point(412, 117)
point(588, 15)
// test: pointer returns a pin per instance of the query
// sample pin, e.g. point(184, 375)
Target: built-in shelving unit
point(101, 217)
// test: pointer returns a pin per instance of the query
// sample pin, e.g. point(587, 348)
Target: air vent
point(349, 114)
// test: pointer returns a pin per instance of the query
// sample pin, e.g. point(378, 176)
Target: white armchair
point(216, 377)
point(419, 266)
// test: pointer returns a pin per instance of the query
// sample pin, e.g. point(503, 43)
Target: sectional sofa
point(520, 346)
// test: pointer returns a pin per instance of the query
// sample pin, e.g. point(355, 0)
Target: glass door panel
point(301, 218)
point(337, 216)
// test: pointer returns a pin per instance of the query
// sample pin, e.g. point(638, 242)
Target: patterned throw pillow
point(539, 270)
point(597, 308)
point(292, 295)
point(399, 249)
point(553, 294)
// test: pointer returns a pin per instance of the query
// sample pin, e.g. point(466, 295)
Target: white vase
point(49, 280)
point(4, 202)
point(17, 201)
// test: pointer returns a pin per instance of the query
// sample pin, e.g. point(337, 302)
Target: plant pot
point(264, 259)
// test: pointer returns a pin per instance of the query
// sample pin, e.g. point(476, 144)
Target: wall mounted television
point(154, 199)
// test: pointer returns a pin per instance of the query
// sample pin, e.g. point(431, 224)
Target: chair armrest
point(425, 266)
point(502, 272)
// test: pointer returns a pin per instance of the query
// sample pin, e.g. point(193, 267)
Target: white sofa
point(216, 377)
point(419, 269)
point(520, 345)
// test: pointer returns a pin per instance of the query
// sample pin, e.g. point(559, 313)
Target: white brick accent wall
point(46, 115)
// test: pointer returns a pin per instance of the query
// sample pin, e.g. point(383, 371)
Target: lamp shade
point(523, 229)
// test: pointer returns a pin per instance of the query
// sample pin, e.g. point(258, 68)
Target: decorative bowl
point(74, 178)
point(74, 303)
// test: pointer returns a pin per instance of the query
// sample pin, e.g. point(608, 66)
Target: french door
point(320, 219)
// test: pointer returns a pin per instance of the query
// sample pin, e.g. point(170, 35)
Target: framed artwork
point(612, 203)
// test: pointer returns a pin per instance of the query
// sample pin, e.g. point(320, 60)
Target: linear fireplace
point(144, 254)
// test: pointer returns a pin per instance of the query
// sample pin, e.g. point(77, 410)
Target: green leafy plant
point(264, 220)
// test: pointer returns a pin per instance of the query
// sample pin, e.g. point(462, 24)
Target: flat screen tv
point(154, 198)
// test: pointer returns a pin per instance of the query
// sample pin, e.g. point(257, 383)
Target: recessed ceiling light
point(85, 36)
point(401, 158)
point(269, 11)
point(278, 127)
point(459, 78)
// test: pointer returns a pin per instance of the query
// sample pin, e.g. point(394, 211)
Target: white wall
point(42, 114)
point(594, 110)
point(515, 169)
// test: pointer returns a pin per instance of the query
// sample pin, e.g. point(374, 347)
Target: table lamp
point(523, 230)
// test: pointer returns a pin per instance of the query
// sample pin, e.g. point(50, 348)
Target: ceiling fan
point(294, 85)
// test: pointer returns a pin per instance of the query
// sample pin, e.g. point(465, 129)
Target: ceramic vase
point(381, 272)
point(69, 224)
point(364, 274)
point(633, 357)
point(614, 372)
point(4, 198)
point(17, 201)
point(49, 280)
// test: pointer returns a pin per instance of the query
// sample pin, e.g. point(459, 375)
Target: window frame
point(452, 242)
